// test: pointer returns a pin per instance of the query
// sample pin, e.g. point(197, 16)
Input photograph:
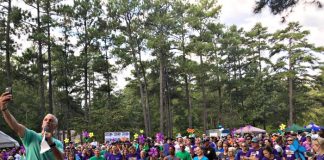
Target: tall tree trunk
point(259, 55)
point(185, 76)
point(219, 91)
point(65, 70)
point(143, 99)
point(202, 81)
point(264, 119)
point(240, 68)
point(291, 107)
point(8, 47)
point(171, 120)
point(290, 88)
point(40, 64)
point(50, 90)
point(190, 102)
point(234, 68)
point(86, 73)
point(162, 94)
point(148, 115)
point(220, 112)
point(66, 87)
point(260, 88)
point(168, 105)
point(147, 108)
point(133, 41)
point(108, 73)
point(90, 89)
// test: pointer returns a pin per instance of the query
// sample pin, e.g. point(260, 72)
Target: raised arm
point(11, 120)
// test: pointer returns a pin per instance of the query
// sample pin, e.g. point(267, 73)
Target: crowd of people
point(237, 147)
point(290, 146)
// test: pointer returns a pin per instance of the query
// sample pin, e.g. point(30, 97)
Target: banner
point(115, 136)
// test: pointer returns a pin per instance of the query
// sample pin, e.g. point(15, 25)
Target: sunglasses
point(289, 140)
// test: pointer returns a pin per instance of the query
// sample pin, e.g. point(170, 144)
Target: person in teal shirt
point(97, 155)
point(32, 140)
point(200, 154)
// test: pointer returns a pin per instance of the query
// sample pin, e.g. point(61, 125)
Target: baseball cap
point(255, 140)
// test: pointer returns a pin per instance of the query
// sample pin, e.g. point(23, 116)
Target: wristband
point(52, 145)
point(4, 109)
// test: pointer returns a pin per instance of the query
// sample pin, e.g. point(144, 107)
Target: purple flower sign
point(141, 139)
point(85, 134)
point(153, 152)
point(159, 137)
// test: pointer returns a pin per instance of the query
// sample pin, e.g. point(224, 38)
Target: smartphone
point(9, 90)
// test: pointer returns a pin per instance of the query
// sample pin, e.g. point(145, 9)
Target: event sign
point(115, 136)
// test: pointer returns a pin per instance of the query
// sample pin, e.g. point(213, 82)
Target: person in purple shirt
point(166, 146)
point(115, 155)
point(171, 156)
point(196, 144)
point(256, 151)
point(85, 154)
point(241, 153)
point(268, 154)
point(248, 139)
point(4, 154)
point(268, 143)
point(289, 154)
point(132, 155)
point(219, 149)
point(303, 137)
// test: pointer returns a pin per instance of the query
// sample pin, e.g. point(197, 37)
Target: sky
point(240, 13)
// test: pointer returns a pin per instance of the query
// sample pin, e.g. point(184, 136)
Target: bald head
point(54, 118)
point(50, 122)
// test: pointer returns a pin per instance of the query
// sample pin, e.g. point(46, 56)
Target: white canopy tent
point(7, 141)
point(249, 129)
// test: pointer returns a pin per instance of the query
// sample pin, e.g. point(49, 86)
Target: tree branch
point(29, 4)
point(4, 6)
point(3, 12)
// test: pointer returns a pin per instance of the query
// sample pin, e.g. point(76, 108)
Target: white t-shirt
point(278, 148)
point(187, 149)
point(94, 143)
point(177, 148)
point(17, 156)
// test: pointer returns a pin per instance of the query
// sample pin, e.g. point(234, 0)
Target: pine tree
point(295, 59)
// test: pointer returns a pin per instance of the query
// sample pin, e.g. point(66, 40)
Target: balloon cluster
point(86, 135)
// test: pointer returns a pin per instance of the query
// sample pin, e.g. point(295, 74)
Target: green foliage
point(278, 6)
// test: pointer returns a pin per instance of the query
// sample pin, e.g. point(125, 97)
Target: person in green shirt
point(183, 154)
point(103, 151)
point(97, 155)
point(32, 140)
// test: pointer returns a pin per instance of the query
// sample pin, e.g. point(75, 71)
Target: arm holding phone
point(11, 121)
